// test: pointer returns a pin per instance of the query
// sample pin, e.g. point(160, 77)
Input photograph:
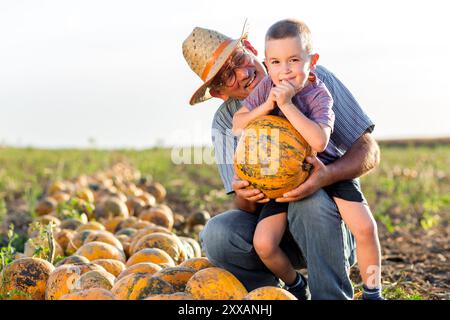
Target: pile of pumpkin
point(111, 236)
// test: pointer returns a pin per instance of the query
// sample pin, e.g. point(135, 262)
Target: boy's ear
point(314, 59)
point(265, 65)
point(218, 94)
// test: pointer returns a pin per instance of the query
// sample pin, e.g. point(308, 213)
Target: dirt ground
point(415, 263)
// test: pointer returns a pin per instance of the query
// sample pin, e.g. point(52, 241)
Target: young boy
point(292, 90)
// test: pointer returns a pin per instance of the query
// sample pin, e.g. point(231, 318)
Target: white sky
point(114, 71)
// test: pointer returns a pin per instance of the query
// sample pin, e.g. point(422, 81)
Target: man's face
point(240, 75)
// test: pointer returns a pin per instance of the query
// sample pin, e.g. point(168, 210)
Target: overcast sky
point(73, 73)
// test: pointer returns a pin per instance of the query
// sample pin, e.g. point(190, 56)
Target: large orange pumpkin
point(173, 296)
point(100, 250)
point(142, 267)
point(90, 294)
point(270, 155)
point(113, 266)
point(215, 284)
point(170, 243)
point(269, 293)
point(137, 286)
point(25, 278)
point(154, 255)
point(62, 280)
point(197, 263)
point(176, 276)
point(94, 279)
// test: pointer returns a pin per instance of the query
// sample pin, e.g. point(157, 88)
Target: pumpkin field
point(124, 224)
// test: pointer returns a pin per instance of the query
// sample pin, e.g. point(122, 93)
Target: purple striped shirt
point(314, 101)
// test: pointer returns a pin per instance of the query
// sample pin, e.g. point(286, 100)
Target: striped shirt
point(350, 123)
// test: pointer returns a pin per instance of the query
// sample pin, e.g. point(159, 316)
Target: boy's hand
point(271, 101)
point(253, 195)
point(283, 93)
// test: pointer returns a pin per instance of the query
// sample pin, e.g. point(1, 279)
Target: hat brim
point(202, 93)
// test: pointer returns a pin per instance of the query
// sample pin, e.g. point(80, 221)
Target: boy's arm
point(316, 134)
point(243, 116)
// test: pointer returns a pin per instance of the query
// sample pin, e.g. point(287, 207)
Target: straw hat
point(206, 51)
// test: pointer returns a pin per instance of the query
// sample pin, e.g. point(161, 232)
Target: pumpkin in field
point(135, 205)
point(112, 207)
point(62, 280)
point(63, 237)
point(90, 294)
point(86, 194)
point(72, 260)
point(71, 224)
point(176, 276)
point(215, 284)
point(77, 241)
point(94, 279)
point(269, 293)
point(270, 155)
point(142, 267)
point(111, 224)
point(154, 255)
point(46, 206)
point(138, 286)
point(159, 216)
point(104, 236)
point(146, 231)
point(25, 278)
point(192, 247)
point(157, 190)
point(168, 242)
point(200, 217)
point(91, 225)
point(197, 263)
point(173, 296)
point(113, 266)
point(100, 250)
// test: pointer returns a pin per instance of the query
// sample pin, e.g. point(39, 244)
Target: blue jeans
point(322, 243)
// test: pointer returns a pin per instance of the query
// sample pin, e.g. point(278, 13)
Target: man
point(317, 237)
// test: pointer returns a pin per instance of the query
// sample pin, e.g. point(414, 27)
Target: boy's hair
point(291, 28)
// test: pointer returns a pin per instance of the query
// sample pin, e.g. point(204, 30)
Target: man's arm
point(363, 156)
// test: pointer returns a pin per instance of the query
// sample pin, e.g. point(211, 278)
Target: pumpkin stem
point(51, 243)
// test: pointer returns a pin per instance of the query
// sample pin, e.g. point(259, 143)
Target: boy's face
point(286, 60)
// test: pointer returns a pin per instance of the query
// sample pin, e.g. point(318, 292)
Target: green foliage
point(74, 209)
point(3, 210)
point(8, 252)
point(43, 242)
point(398, 293)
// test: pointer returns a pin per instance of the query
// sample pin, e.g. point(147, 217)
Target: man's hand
point(317, 179)
point(252, 195)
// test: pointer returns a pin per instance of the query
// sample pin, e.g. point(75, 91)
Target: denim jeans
point(322, 243)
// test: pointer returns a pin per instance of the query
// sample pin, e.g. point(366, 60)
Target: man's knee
point(227, 233)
